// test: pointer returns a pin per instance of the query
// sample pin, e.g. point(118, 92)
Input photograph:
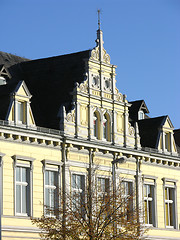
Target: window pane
point(167, 215)
point(24, 178)
point(171, 194)
point(145, 190)
point(166, 194)
point(24, 199)
point(52, 178)
point(150, 212)
point(18, 199)
point(18, 174)
point(47, 199)
point(46, 177)
point(146, 215)
point(52, 205)
point(171, 213)
point(78, 181)
point(74, 181)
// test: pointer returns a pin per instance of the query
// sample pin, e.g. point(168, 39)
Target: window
point(78, 187)
point(103, 186)
point(106, 128)
point(126, 187)
point(149, 208)
point(140, 115)
point(51, 171)
point(170, 206)
point(21, 112)
point(22, 191)
point(23, 185)
point(167, 141)
point(96, 125)
point(51, 192)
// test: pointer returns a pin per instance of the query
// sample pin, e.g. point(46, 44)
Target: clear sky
point(141, 36)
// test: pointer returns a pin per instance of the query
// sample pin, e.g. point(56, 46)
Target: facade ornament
point(84, 87)
point(131, 130)
point(71, 116)
point(119, 96)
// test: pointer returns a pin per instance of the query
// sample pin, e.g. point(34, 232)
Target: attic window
point(2, 81)
point(140, 115)
point(21, 112)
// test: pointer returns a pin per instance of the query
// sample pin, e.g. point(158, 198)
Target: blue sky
point(141, 36)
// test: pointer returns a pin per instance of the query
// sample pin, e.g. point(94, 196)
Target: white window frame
point(52, 166)
point(21, 110)
point(150, 181)
point(28, 164)
point(127, 195)
point(107, 191)
point(170, 201)
point(78, 190)
point(140, 115)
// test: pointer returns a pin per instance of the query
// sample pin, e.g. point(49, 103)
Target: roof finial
point(99, 22)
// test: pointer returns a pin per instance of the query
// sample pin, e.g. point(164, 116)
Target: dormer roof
point(149, 130)
point(137, 106)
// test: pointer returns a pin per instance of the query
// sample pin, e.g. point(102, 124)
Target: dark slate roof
point(50, 81)
point(136, 106)
point(149, 131)
point(11, 63)
point(177, 139)
point(5, 96)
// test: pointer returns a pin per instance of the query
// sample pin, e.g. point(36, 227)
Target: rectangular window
point(127, 196)
point(103, 185)
point(51, 192)
point(21, 112)
point(149, 204)
point(170, 206)
point(167, 141)
point(78, 188)
point(22, 183)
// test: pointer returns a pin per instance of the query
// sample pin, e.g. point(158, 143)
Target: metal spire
point(99, 22)
point(99, 40)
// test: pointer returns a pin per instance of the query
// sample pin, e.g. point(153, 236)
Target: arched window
point(106, 127)
point(96, 124)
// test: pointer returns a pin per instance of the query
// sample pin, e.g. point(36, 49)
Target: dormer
point(20, 112)
point(4, 75)
point(138, 110)
point(166, 142)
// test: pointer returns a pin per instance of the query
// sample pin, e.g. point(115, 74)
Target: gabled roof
point(4, 72)
point(136, 106)
point(149, 130)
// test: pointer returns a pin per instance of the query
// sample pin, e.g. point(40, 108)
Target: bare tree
point(95, 213)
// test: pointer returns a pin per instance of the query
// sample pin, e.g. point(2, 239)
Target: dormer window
point(167, 141)
point(2, 81)
point(140, 115)
point(21, 112)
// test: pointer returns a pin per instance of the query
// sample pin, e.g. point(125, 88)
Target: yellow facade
point(96, 129)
